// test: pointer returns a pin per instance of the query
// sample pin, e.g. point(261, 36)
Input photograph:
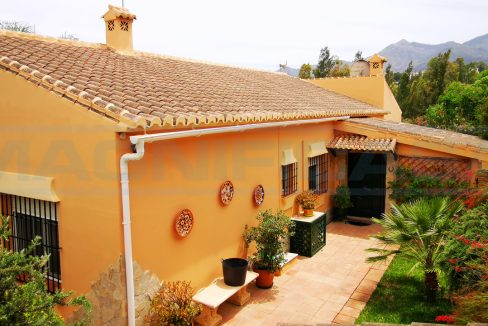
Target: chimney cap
point(376, 58)
point(118, 12)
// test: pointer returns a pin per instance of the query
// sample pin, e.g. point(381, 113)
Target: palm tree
point(420, 228)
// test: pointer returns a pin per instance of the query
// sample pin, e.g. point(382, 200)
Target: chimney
point(118, 28)
point(376, 63)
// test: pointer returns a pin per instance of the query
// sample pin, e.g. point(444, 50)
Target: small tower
point(376, 63)
point(118, 28)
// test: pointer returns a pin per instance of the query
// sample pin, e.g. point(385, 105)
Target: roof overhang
point(360, 143)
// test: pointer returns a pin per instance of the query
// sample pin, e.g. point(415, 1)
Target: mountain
point(401, 53)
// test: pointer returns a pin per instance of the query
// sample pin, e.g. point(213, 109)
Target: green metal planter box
point(309, 235)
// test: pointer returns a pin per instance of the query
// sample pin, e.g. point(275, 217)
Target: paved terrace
point(331, 287)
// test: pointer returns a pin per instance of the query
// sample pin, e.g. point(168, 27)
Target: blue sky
point(262, 34)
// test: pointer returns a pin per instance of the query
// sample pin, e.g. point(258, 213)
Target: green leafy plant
point(173, 305)
point(342, 197)
point(466, 248)
point(472, 300)
point(420, 228)
point(29, 303)
point(269, 236)
point(408, 186)
point(307, 199)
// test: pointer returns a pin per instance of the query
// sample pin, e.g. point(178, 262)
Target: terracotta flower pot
point(307, 212)
point(265, 279)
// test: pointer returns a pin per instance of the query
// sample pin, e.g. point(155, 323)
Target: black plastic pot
point(234, 271)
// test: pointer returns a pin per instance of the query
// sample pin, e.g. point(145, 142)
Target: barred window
point(317, 174)
point(289, 179)
point(30, 218)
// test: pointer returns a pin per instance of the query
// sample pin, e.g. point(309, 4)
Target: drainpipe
point(129, 270)
point(139, 141)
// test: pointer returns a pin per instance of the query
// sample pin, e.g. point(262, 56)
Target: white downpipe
point(129, 270)
point(139, 141)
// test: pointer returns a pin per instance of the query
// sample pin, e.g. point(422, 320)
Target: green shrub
point(342, 197)
point(269, 235)
point(408, 186)
point(173, 305)
point(471, 304)
point(29, 303)
point(466, 248)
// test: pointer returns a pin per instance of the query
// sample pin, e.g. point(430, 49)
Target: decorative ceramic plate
point(226, 192)
point(184, 222)
point(259, 195)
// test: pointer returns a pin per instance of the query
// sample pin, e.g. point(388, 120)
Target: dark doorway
point(367, 182)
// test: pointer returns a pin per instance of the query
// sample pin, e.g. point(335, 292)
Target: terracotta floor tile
point(374, 275)
point(363, 297)
point(326, 313)
point(355, 304)
point(314, 290)
point(344, 320)
point(348, 311)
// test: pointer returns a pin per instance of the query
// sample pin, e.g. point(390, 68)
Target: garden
point(440, 270)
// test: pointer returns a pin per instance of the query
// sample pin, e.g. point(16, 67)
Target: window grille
point(289, 179)
point(30, 218)
point(124, 26)
point(317, 174)
point(111, 25)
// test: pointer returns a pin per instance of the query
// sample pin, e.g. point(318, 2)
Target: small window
point(111, 25)
point(124, 26)
point(30, 218)
point(317, 174)
point(289, 179)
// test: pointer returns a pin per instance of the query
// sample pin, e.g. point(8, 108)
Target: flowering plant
point(445, 319)
point(307, 199)
point(467, 248)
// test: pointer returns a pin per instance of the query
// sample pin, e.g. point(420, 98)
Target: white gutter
point(139, 141)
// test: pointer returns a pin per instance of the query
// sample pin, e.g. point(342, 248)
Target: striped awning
point(363, 143)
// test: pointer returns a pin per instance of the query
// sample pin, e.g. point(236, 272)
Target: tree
point(403, 90)
point(325, 64)
point(29, 303)
point(389, 77)
point(17, 27)
point(420, 229)
point(358, 56)
point(305, 71)
point(340, 69)
point(436, 74)
point(418, 98)
point(482, 116)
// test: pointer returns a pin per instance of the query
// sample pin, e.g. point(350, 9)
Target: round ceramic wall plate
point(226, 192)
point(184, 222)
point(259, 195)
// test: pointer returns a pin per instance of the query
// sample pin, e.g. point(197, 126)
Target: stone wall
point(108, 295)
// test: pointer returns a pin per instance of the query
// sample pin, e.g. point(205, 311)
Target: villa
point(137, 168)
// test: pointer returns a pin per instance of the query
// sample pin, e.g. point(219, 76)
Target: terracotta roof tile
point(140, 89)
point(362, 143)
point(440, 136)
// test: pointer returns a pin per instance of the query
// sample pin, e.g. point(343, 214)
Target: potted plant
point(173, 305)
point(269, 236)
point(342, 201)
point(307, 200)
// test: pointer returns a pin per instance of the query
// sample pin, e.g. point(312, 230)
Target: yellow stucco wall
point(369, 89)
point(46, 135)
point(188, 173)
